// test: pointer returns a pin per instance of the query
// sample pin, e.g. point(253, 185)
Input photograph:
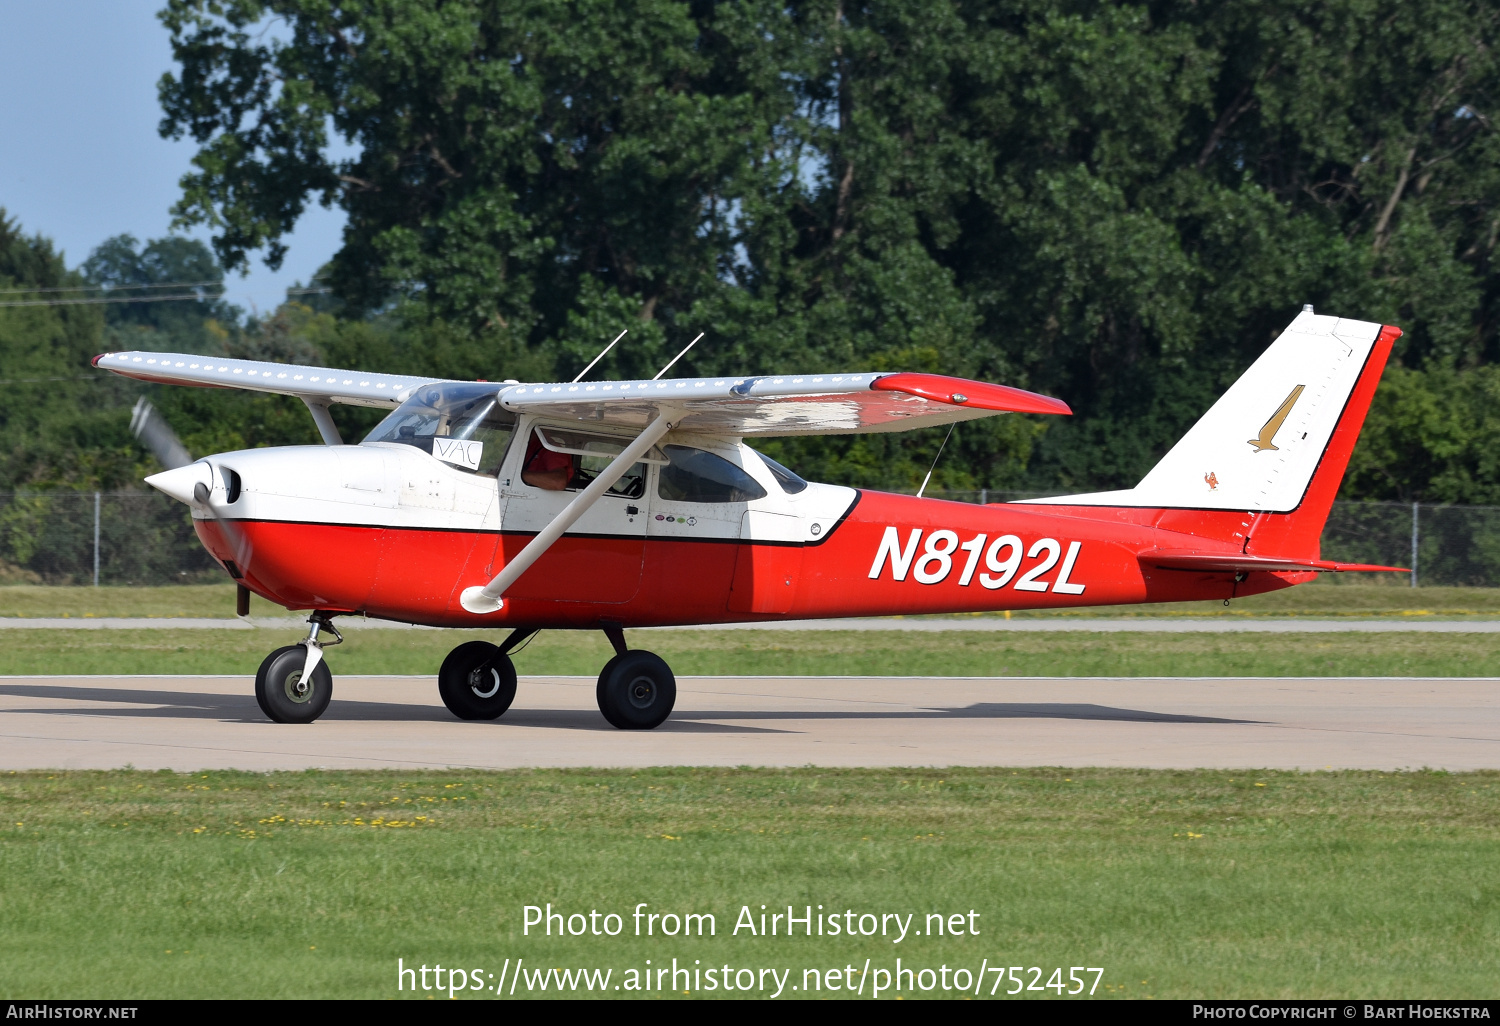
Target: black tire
point(477, 682)
point(276, 687)
point(637, 691)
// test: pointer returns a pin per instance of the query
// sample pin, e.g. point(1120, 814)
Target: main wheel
point(280, 692)
point(637, 690)
point(477, 681)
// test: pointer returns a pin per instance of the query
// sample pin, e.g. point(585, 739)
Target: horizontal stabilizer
point(1237, 562)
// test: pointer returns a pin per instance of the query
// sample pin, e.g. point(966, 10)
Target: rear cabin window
point(693, 475)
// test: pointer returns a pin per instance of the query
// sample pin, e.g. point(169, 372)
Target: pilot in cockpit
point(546, 469)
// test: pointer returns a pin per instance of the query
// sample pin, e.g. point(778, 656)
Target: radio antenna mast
point(936, 458)
point(601, 354)
point(679, 355)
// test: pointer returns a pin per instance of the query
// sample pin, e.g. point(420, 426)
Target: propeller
point(207, 488)
point(153, 431)
point(194, 483)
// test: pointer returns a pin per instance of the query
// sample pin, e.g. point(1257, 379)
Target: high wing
point(731, 406)
point(783, 404)
point(315, 384)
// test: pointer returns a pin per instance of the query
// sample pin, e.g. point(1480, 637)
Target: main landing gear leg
point(293, 684)
point(636, 688)
point(478, 680)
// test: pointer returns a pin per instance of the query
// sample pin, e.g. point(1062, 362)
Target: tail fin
point(1279, 440)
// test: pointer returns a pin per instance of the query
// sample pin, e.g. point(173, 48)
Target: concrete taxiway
point(981, 624)
point(190, 722)
point(1139, 624)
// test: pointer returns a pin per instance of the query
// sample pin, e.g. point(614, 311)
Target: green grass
point(217, 600)
point(836, 653)
point(179, 600)
point(1179, 884)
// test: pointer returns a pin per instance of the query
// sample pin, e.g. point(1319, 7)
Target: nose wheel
point(287, 695)
point(293, 684)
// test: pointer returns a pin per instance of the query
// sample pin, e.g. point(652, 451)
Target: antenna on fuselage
point(679, 355)
point(936, 458)
point(601, 354)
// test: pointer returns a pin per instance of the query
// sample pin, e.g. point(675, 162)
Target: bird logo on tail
point(1266, 439)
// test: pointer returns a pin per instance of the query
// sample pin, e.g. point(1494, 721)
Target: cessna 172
point(614, 504)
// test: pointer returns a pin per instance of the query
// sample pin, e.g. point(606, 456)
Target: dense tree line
point(1116, 203)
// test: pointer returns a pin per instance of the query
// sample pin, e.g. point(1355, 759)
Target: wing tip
point(980, 395)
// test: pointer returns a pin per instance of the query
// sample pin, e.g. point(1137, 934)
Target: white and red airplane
point(611, 504)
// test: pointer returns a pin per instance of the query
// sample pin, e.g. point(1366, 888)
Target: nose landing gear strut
point(293, 684)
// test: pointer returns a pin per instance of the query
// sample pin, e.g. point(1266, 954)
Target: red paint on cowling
point(980, 395)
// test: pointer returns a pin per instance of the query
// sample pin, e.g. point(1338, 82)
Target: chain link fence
point(121, 538)
point(107, 538)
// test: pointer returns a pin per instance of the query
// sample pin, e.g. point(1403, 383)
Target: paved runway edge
point(195, 723)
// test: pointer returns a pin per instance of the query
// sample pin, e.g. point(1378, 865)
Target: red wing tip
point(980, 395)
point(95, 361)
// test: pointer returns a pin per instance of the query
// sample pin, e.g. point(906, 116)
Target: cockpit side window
point(447, 421)
point(551, 467)
point(694, 475)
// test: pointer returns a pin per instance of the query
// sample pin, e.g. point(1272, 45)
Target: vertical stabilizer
point(1259, 448)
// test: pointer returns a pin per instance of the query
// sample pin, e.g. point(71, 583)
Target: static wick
point(936, 458)
point(601, 354)
point(679, 355)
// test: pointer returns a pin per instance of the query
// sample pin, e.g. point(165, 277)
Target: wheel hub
point(642, 691)
point(476, 682)
point(297, 689)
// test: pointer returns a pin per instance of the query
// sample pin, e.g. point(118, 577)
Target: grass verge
point(217, 600)
point(1178, 884)
point(857, 653)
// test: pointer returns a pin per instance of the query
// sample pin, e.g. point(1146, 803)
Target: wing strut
point(489, 598)
point(321, 417)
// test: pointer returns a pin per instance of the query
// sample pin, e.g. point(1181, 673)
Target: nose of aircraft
point(181, 483)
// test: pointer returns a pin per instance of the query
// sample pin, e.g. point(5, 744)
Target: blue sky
point(80, 160)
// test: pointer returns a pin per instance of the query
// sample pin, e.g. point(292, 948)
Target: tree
point(58, 423)
point(127, 269)
point(1118, 203)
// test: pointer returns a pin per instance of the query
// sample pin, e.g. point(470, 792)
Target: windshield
point(790, 482)
point(460, 424)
